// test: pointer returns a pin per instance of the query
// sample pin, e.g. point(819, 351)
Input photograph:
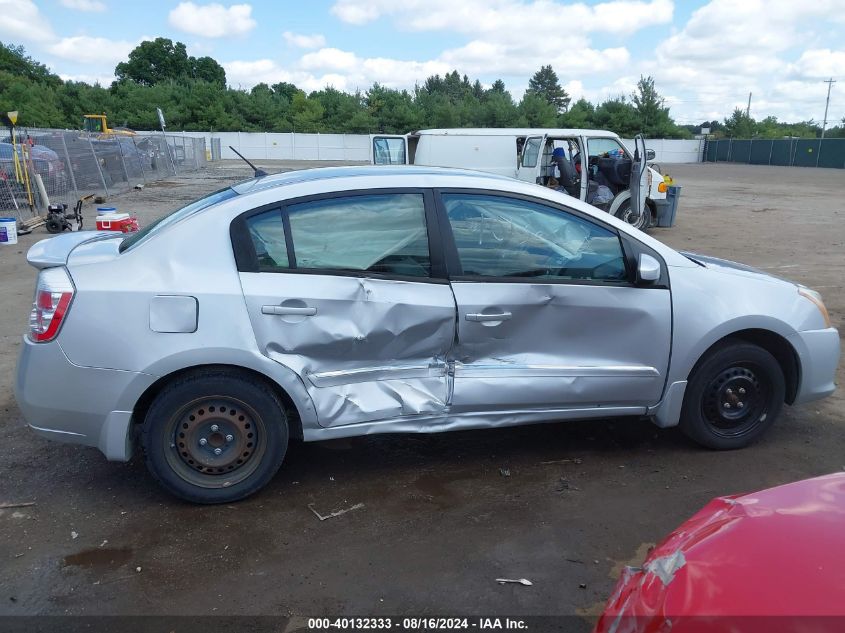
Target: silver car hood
point(55, 251)
point(734, 268)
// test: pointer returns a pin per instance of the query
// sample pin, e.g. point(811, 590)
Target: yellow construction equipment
point(98, 124)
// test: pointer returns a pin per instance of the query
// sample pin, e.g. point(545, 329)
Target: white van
point(618, 180)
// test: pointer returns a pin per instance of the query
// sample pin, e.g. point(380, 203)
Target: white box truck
point(592, 165)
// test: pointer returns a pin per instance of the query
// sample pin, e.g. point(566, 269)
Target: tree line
point(193, 95)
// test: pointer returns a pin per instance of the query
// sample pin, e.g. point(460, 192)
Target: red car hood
point(778, 552)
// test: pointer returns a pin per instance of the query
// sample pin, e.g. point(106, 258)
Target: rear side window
point(381, 233)
point(377, 233)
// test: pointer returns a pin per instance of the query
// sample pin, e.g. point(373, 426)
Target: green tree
point(207, 69)
point(617, 115)
point(545, 84)
point(536, 111)
point(739, 125)
point(580, 115)
point(652, 115)
point(153, 61)
point(14, 60)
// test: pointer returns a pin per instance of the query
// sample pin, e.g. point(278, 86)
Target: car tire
point(215, 436)
point(733, 396)
point(624, 213)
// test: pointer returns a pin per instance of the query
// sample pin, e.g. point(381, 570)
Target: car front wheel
point(734, 395)
point(215, 436)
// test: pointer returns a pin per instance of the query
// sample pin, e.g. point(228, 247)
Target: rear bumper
point(818, 353)
point(79, 405)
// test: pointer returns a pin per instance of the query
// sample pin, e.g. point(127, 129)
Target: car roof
point(272, 181)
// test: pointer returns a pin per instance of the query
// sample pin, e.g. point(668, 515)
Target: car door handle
point(282, 310)
point(481, 316)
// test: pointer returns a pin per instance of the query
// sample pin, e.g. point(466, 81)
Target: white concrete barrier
point(355, 147)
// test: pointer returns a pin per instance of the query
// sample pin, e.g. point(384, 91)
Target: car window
point(508, 237)
point(601, 146)
point(388, 151)
point(267, 233)
point(531, 151)
point(383, 233)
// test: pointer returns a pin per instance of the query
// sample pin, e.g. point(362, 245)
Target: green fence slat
point(806, 152)
point(781, 152)
point(741, 151)
point(761, 151)
point(832, 153)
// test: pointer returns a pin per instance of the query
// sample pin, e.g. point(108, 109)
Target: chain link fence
point(65, 165)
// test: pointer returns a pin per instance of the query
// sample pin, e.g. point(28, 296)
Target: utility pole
point(748, 109)
point(829, 83)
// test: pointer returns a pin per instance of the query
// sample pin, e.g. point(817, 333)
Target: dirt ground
point(441, 520)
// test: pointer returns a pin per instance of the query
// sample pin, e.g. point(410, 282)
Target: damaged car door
point(342, 288)
point(549, 312)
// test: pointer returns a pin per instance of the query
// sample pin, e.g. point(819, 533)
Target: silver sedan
point(338, 302)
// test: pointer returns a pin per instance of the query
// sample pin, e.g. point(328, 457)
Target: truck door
point(389, 150)
point(529, 160)
point(639, 177)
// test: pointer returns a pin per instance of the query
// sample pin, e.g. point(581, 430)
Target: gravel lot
point(440, 521)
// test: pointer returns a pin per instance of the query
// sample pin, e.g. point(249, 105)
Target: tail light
point(53, 295)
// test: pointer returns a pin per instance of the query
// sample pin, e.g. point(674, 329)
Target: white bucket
point(8, 231)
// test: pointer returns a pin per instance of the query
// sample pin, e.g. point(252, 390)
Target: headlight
point(816, 298)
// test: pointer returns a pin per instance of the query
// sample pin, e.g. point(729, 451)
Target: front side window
point(388, 151)
point(381, 233)
point(508, 237)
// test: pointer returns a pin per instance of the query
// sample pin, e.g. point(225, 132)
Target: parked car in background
point(338, 302)
point(768, 562)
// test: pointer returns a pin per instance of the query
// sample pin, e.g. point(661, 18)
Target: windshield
point(175, 216)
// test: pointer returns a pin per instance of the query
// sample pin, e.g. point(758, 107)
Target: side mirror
point(648, 269)
point(649, 154)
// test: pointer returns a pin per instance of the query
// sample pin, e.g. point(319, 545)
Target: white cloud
point(212, 20)
point(91, 50)
point(510, 18)
point(304, 41)
point(818, 64)
point(23, 22)
point(103, 80)
point(728, 49)
point(84, 5)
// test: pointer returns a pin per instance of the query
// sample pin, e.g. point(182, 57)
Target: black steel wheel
point(215, 436)
point(733, 396)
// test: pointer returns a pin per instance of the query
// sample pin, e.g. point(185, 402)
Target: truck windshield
point(174, 216)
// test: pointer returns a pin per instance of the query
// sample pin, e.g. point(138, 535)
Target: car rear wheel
point(638, 220)
point(734, 395)
point(215, 436)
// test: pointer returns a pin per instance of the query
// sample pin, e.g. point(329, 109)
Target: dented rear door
point(347, 294)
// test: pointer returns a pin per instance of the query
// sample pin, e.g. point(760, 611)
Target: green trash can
point(666, 215)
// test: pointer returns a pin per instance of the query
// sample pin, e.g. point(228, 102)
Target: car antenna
point(258, 172)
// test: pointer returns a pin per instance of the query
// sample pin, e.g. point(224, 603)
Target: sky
point(705, 56)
